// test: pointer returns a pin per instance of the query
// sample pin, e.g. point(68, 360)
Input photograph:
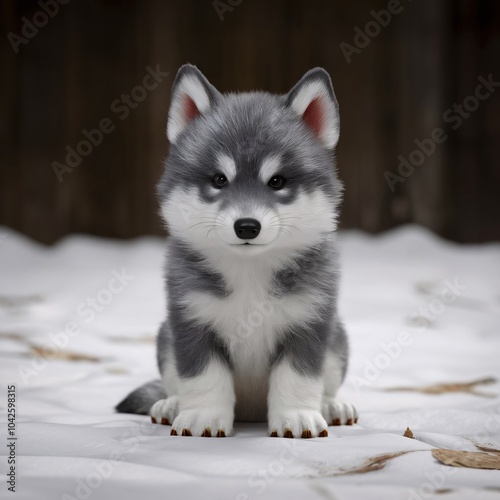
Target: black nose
point(247, 229)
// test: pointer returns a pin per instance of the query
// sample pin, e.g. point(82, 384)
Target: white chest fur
point(251, 320)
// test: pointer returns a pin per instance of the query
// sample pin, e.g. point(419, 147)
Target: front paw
point(164, 411)
point(297, 423)
point(337, 412)
point(204, 422)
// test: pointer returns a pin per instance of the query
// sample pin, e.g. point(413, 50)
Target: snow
point(420, 311)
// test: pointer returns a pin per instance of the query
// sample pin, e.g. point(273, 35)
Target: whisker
point(267, 212)
point(285, 217)
point(206, 224)
point(222, 217)
point(209, 231)
point(288, 217)
point(283, 227)
point(197, 224)
point(293, 227)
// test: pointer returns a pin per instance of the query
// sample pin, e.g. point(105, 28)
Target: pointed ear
point(192, 95)
point(314, 101)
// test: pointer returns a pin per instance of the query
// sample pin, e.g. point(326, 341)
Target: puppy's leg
point(206, 402)
point(165, 410)
point(198, 381)
point(203, 405)
point(294, 401)
point(335, 411)
point(197, 378)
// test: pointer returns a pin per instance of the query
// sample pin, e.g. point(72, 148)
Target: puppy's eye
point(219, 180)
point(277, 182)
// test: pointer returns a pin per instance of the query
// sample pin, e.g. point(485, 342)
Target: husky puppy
point(251, 196)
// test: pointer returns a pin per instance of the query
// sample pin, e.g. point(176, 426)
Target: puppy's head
point(251, 173)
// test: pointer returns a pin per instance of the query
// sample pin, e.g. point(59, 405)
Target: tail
point(142, 399)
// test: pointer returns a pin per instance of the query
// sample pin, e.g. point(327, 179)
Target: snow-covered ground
point(77, 327)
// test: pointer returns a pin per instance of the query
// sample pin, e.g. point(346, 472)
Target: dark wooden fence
point(66, 75)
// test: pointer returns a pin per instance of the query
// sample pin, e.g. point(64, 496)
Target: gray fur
point(304, 347)
point(194, 351)
point(314, 268)
point(187, 271)
point(248, 127)
point(163, 345)
point(141, 400)
point(339, 344)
